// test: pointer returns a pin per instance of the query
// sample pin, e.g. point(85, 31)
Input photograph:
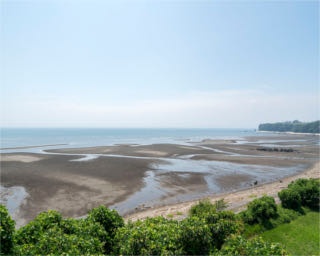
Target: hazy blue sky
point(158, 63)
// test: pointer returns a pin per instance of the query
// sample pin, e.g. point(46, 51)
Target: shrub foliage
point(192, 236)
point(110, 220)
point(153, 236)
point(221, 223)
point(260, 210)
point(195, 237)
point(238, 245)
point(6, 231)
point(302, 192)
point(203, 209)
point(290, 199)
point(48, 233)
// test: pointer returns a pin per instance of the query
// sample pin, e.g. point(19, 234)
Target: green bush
point(30, 234)
point(160, 236)
point(309, 191)
point(110, 220)
point(221, 223)
point(238, 245)
point(260, 210)
point(284, 216)
point(48, 233)
point(203, 209)
point(195, 238)
point(290, 199)
point(6, 231)
point(220, 205)
point(153, 236)
point(302, 192)
point(54, 241)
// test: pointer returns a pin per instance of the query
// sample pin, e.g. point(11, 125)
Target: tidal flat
point(132, 178)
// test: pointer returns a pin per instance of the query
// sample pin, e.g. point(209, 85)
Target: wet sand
point(235, 200)
point(72, 188)
point(154, 150)
point(118, 175)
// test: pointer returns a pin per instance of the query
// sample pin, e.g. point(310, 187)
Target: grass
point(300, 237)
point(284, 216)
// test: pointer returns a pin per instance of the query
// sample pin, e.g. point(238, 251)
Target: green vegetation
point(196, 237)
point(209, 229)
point(300, 237)
point(257, 246)
point(222, 224)
point(263, 214)
point(256, 228)
point(202, 209)
point(260, 210)
point(110, 220)
point(220, 205)
point(154, 236)
point(303, 192)
point(48, 233)
point(6, 231)
point(205, 230)
point(295, 126)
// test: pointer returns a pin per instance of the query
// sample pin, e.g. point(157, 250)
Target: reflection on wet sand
point(133, 177)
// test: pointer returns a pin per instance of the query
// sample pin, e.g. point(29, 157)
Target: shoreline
point(291, 133)
point(236, 200)
point(34, 146)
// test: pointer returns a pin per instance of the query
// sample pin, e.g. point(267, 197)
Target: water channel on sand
point(134, 177)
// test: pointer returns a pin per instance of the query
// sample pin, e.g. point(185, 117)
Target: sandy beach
point(159, 179)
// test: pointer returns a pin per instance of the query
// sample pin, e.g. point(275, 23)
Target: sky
point(173, 64)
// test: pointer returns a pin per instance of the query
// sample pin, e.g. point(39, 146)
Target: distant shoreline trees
point(294, 126)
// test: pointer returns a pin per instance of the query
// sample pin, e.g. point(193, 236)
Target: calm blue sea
point(14, 137)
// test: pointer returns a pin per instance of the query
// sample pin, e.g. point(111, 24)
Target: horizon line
point(88, 127)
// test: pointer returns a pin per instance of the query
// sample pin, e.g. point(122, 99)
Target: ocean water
point(30, 137)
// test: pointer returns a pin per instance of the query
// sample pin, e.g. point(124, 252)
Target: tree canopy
point(294, 126)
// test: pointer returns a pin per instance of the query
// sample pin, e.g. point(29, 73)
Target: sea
point(88, 137)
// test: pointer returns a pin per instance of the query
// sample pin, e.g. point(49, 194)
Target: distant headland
point(294, 126)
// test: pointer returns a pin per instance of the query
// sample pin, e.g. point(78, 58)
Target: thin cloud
point(229, 108)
